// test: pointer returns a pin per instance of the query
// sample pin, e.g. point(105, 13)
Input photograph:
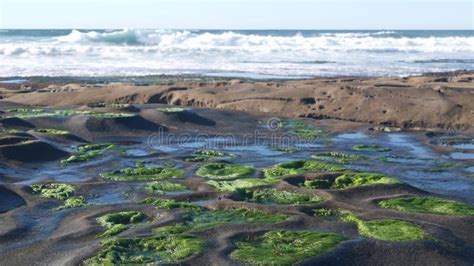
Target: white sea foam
point(145, 52)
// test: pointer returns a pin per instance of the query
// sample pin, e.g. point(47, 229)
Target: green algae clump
point(230, 186)
point(299, 167)
point(223, 171)
point(211, 153)
point(309, 134)
point(54, 190)
point(96, 147)
point(161, 187)
point(339, 157)
point(198, 221)
point(119, 221)
point(170, 204)
point(143, 173)
point(387, 229)
point(275, 196)
point(81, 158)
point(370, 148)
point(156, 249)
point(285, 247)
point(52, 131)
point(431, 205)
point(73, 202)
point(362, 179)
point(171, 110)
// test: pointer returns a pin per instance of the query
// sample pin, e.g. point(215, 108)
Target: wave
point(192, 40)
point(444, 61)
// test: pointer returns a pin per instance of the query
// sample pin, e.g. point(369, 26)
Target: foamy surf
point(240, 53)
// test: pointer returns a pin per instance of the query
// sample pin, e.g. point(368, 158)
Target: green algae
point(54, 190)
point(211, 153)
point(81, 158)
point(339, 157)
point(169, 164)
point(362, 179)
point(40, 113)
point(309, 134)
point(52, 131)
point(233, 185)
point(119, 221)
point(441, 167)
point(284, 149)
point(318, 183)
point(111, 115)
point(224, 171)
point(285, 247)
point(275, 196)
point(156, 249)
point(96, 147)
point(200, 159)
point(25, 110)
point(324, 212)
point(387, 229)
point(107, 105)
point(170, 204)
point(351, 180)
point(143, 173)
point(9, 131)
point(73, 202)
point(171, 110)
point(299, 167)
point(420, 204)
point(161, 187)
point(370, 148)
point(198, 221)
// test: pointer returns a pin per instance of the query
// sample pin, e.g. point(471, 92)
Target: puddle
point(461, 156)
point(470, 169)
point(352, 136)
point(109, 198)
point(464, 146)
point(137, 152)
point(402, 140)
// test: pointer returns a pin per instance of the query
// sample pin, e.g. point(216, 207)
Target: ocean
point(264, 54)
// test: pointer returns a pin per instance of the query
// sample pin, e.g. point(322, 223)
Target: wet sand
point(32, 232)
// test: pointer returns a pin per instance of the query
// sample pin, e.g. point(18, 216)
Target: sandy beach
point(190, 158)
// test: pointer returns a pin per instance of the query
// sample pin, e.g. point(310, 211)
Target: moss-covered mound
point(60, 191)
point(156, 249)
point(143, 173)
point(339, 157)
point(119, 221)
point(370, 148)
point(275, 196)
point(108, 105)
point(199, 221)
point(54, 190)
point(212, 153)
point(309, 134)
point(350, 180)
point(432, 205)
point(224, 171)
point(161, 187)
point(362, 179)
point(299, 167)
point(285, 247)
point(96, 147)
point(170, 204)
point(200, 159)
point(73, 202)
point(387, 229)
point(230, 186)
point(82, 158)
point(52, 131)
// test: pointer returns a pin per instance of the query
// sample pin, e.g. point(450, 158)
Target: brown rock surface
point(442, 101)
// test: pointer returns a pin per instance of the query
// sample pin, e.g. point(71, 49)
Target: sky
point(237, 14)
